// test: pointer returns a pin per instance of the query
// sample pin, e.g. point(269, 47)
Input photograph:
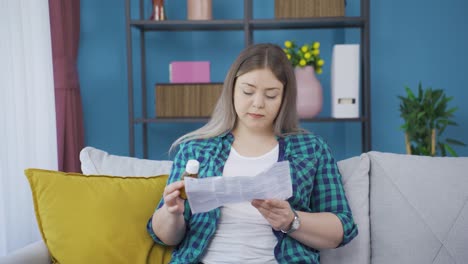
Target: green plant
point(426, 117)
point(306, 55)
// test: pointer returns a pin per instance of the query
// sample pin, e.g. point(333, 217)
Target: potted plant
point(426, 117)
point(306, 62)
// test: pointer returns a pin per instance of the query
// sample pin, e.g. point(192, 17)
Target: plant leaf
point(452, 123)
point(455, 142)
point(410, 93)
point(452, 110)
point(420, 114)
point(441, 146)
point(450, 150)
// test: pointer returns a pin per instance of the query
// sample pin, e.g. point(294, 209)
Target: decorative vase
point(199, 10)
point(309, 92)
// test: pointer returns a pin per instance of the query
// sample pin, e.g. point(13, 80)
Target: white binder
point(345, 74)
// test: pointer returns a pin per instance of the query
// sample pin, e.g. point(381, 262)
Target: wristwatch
point(294, 225)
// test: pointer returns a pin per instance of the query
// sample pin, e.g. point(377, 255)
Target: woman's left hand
point(277, 212)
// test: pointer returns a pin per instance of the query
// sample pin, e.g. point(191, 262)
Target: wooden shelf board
point(188, 25)
point(308, 23)
point(262, 24)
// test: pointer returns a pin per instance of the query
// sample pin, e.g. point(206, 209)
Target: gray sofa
point(409, 209)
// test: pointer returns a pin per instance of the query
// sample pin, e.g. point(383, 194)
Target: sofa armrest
point(35, 253)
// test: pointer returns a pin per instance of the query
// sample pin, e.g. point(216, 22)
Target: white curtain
point(27, 115)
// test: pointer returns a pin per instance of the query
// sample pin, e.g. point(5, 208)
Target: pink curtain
point(65, 32)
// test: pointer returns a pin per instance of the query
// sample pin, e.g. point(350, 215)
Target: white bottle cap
point(192, 166)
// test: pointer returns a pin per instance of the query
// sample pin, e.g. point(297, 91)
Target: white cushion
point(34, 253)
point(355, 178)
point(95, 162)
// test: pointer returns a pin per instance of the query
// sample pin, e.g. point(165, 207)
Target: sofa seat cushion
point(355, 178)
point(419, 209)
point(97, 219)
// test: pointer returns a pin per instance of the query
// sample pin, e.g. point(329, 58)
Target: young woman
point(253, 126)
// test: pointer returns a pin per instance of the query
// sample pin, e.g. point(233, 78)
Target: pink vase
point(309, 92)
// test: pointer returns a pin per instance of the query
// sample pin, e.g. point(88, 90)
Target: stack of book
point(189, 72)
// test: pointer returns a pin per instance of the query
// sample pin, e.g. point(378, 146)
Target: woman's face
point(257, 100)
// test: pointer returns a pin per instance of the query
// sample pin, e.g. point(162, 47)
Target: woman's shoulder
point(199, 144)
point(201, 149)
point(305, 138)
point(304, 143)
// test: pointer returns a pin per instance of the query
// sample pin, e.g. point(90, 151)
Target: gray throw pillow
point(355, 178)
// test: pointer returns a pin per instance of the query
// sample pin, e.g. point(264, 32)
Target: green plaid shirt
point(316, 182)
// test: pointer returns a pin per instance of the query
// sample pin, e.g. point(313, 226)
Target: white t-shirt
point(243, 235)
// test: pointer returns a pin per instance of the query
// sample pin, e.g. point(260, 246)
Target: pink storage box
point(189, 72)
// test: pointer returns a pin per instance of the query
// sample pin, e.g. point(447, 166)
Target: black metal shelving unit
point(248, 24)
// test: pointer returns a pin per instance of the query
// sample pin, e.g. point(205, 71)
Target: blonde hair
point(258, 56)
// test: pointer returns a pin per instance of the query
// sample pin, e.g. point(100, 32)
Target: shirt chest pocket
point(211, 166)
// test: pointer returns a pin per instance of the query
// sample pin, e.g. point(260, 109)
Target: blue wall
point(410, 42)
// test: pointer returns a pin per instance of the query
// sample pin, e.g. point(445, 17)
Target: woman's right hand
point(172, 200)
point(168, 221)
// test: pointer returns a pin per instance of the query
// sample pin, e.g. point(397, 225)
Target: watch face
point(295, 223)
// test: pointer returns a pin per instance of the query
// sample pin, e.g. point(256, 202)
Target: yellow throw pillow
point(97, 219)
